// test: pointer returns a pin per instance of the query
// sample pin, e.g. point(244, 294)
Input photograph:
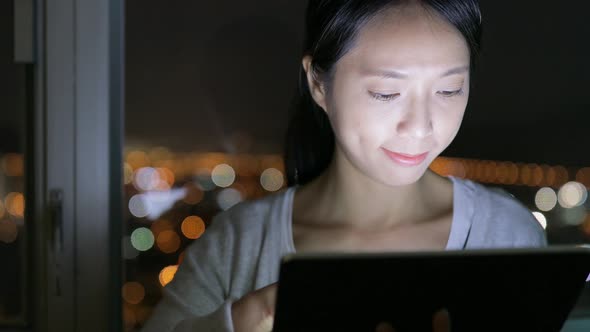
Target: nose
point(416, 121)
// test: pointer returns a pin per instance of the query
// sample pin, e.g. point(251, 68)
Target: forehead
point(409, 37)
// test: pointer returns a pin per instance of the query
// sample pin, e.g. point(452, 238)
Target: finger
point(441, 322)
point(384, 327)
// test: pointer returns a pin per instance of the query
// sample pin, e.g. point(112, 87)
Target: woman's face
point(401, 90)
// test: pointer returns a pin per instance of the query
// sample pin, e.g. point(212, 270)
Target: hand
point(255, 311)
point(441, 322)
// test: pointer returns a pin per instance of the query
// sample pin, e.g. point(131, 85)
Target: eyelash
point(390, 97)
point(449, 94)
point(382, 97)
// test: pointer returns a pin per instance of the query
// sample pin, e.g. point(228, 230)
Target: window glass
point(209, 86)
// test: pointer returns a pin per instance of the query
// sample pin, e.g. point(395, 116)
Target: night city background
point(209, 86)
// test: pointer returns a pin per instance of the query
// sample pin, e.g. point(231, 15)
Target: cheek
point(448, 124)
point(356, 124)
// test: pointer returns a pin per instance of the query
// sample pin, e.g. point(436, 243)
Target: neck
point(342, 196)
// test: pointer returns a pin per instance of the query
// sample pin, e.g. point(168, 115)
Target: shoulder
point(252, 214)
point(499, 219)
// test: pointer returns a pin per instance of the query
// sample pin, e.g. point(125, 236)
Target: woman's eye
point(450, 93)
point(384, 97)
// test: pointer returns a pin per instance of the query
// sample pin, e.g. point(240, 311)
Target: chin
point(402, 177)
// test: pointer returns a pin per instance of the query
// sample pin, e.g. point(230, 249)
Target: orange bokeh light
point(13, 164)
point(583, 176)
point(537, 175)
point(549, 176)
point(161, 225)
point(193, 227)
point(181, 257)
point(440, 166)
point(15, 204)
point(512, 173)
point(194, 195)
point(168, 241)
point(137, 159)
point(561, 176)
point(502, 173)
point(166, 175)
point(8, 231)
point(167, 274)
point(133, 292)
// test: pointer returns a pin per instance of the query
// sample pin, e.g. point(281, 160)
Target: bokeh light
point(246, 165)
point(137, 159)
point(440, 166)
point(572, 194)
point(8, 231)
point(159, 153)
point(2, 210)
point(525, 175)
point(146, 179)
point(127, 173)
point(583, 176)
point(129, 252)
point(536, 175)
point(271, 161)
point(193, 195)
point(573, 216)
point(228, 197)
point(192, 227)
point(15, 204)
point(490, 171)
point(512, 173)
point(168, 241)
point(139, 206)
point(129, 317)
point(223, 175)
point(166, 178)
point(548, 176)
point(541, 219)
point(142, 239)
point(167, 274)
point(502, 173)
point(161, 225)
point(133, 292)
point(561, 176)
point(13, 164)
point(546, 199)
point(203, 179)
point(272, 179)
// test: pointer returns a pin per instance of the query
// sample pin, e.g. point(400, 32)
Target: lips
point(406, 159)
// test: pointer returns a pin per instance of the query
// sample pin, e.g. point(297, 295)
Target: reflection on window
point(13, 237)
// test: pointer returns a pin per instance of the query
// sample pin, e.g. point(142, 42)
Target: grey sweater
point(240, 252)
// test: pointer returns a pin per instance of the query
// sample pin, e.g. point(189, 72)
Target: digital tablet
point(483, 290)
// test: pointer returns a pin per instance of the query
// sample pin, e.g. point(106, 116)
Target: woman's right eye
point(384, 97)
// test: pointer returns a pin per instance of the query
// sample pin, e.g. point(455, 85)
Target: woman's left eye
point(384, 97)
point(446, 93)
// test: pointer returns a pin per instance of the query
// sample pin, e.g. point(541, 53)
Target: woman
point(385, 85)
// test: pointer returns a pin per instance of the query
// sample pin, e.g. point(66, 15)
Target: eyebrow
point(392, 74)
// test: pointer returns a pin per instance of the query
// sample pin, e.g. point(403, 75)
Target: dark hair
point(331, 29)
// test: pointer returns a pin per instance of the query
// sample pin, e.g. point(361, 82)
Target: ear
point(316, 88)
